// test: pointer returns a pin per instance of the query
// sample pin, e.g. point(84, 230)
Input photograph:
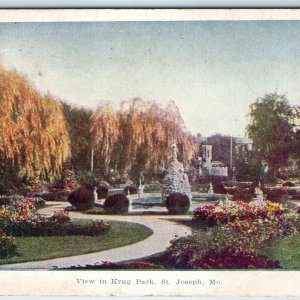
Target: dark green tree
point(78, 120)
point(271, 130)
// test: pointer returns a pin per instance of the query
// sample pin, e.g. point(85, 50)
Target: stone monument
point(176, 180)
point(141, 190)
point(259, 197)
point(210, 191)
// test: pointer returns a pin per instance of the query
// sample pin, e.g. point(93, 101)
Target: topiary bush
point(102, 191)
point(82, 198)
point(276, 195)
point(130, 190)
point(178, 203)
point(116, 204)
point(246, 197)
point(219, 188)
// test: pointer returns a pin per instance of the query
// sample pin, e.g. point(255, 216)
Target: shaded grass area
point(47, 247)
point(286, 250)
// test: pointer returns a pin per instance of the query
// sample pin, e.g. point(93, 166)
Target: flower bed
point(239, 215)
point(21, 219)
point(233, 228)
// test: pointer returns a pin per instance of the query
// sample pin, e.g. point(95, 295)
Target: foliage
point(78, 121)
point(271, 129)
point(135, 138)
point(219, 188)
point(33, 132)
point(60, 216)
point(178, 203)
point(102, 191)
point(37, 202)
point(82, 198)
point(223, 246)
point(8, 246)
point(66, 184)
point(228, 258)
point(21, 219)
point(239, 215)
point(116, 204)
point(249, 166)
point(130, 190)
point(221, 147)
point(276, 194)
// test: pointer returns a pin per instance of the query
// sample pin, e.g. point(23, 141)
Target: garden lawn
point(286, 250)
point(47, 247)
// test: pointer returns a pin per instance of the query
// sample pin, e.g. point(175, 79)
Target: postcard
point(148, 152)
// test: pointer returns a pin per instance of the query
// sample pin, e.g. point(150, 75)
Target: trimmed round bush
point(277, 195)
point(246, 197)
point(130, 190)
point(102, 191)
point(178, 203)
point(219, 188)
point(288, 183)
point(82, 198)
point(116, 204)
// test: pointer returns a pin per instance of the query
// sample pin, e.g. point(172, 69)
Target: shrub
point(60, 216)
point(228, 258)
point(219, 188)
point(37, 187)
point(288, 183)
point(8, 246)
point(82, 198)
point(277, 195)
point(117, 203)
point(37, 202)
point(54, 196)
point(94, 228)
point(130, 190)
point(294, 192)
point(68, 183)
point(178, 203)
point(242, 196)
point(152, 187)
point(102, 191)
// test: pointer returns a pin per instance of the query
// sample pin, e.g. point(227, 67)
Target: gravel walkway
point(164, 230)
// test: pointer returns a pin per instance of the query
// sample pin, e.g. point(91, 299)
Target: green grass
point(286, 250)
point(41, 248)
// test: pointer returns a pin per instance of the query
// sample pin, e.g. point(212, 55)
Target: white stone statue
point(210, 192)
point(95, 194)
point(141, 189)
point(174, 151)
point(259, 197)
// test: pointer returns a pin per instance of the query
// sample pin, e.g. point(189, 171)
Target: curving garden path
point(164, 230)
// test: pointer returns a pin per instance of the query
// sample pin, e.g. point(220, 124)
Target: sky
point(213, 70)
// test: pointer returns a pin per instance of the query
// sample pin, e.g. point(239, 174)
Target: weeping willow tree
point(105, 133)
point(33, 134)
point(135, 138)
